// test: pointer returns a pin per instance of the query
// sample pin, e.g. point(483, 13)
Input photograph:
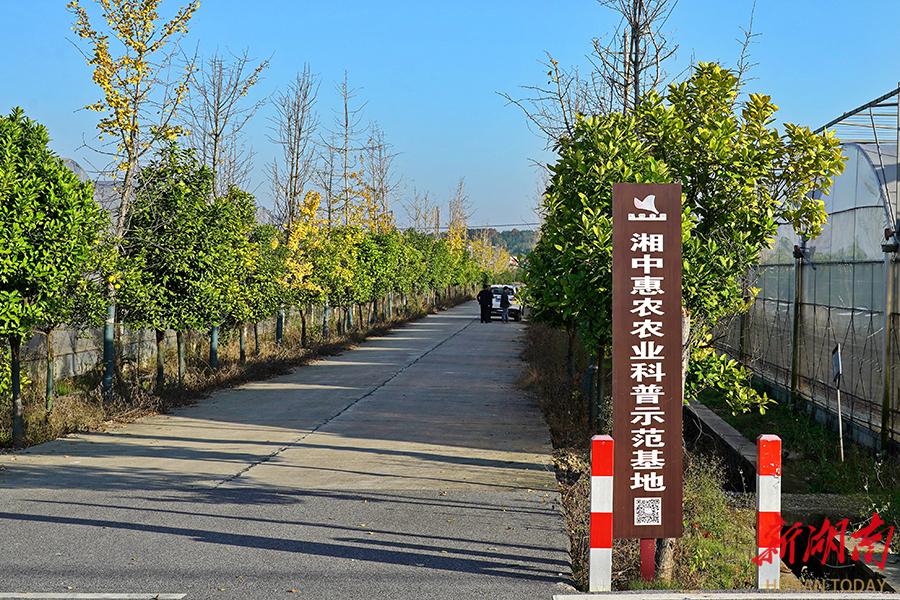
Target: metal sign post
point(646, 369)
point(837, 370)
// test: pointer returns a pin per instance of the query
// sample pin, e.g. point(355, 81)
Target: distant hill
point(517, 242)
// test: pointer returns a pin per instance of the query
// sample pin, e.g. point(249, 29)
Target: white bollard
point(600, 570)
point(768, 511)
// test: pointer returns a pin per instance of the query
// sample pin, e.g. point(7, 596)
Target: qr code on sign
point(648, 511)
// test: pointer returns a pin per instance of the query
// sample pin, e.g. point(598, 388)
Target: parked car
point(515, 307)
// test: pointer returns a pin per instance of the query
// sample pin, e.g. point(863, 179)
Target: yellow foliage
point(489, 258)
point(126, 82)
point(303, 240)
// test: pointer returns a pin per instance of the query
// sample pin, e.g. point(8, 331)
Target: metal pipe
point(886, 350)
point(795, 331)
point(886, 366)
point(859, 109)
point(840, 421)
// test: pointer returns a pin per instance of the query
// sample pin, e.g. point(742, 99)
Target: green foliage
point(410, 263)
point(383, 254)
point(230, 254)
point(265, 274)
point(719, 534)
point(570, 270)
point(710, 370)
point(740, 177)
point(50, 231)
point(185, 256)
point(336, 268)
point(435, 269)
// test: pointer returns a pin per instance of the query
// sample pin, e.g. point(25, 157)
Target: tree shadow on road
point(507, 566)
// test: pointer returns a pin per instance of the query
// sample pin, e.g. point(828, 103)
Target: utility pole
point(890, 247)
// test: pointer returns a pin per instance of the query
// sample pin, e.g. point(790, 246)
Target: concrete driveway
point(409, 467)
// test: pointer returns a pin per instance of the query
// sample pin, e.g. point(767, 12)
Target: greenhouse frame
point(839, 288)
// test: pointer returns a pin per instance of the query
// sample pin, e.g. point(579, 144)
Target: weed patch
point(720, 536)
point(812, 464)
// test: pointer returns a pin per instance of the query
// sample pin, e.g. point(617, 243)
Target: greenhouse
point(816, 294)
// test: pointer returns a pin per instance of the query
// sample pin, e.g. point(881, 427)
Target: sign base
point(648, 559)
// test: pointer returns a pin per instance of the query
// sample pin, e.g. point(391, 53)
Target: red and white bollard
point(768, 511)
point(601, 536)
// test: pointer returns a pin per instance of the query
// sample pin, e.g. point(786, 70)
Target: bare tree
point(131, 52)
point(293, 128)
point(551, 108)
point(623, 67)
point(342, 148)
point(420, 211)
point(216, 113)
point(327, 177)
point(631, 62)
point(745, 63)
point(381, 181)
point(459, 210)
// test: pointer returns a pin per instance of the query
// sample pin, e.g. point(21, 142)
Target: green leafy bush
point(711, 370)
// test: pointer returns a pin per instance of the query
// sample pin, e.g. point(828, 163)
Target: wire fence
point(839, 302)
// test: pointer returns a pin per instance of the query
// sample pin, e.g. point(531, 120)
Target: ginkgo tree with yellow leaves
point(304, 256)
point(131, 57)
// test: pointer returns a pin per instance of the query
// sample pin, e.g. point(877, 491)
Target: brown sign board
point(646, 360)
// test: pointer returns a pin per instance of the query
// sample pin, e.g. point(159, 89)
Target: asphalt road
point(409, 467)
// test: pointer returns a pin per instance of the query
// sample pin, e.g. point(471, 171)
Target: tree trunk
point(666, 549)
point(303, 333)
point(279, 326)
point(242, 343)
point(326, 330)
point(15, 366)
point(48, 398)
point(179, 342)
point(256, 338)
point(160, 359)
point(214, 347)
point(109, 349)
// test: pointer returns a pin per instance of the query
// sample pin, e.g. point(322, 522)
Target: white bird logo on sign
point(648, 204)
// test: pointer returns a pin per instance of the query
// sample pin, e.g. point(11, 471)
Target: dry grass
point(547, 377)
point(719, 540)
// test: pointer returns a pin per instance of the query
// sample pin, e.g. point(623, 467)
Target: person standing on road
point(485, 301)
point(504, 305)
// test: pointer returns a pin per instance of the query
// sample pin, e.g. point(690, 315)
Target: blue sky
point(429, 72)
